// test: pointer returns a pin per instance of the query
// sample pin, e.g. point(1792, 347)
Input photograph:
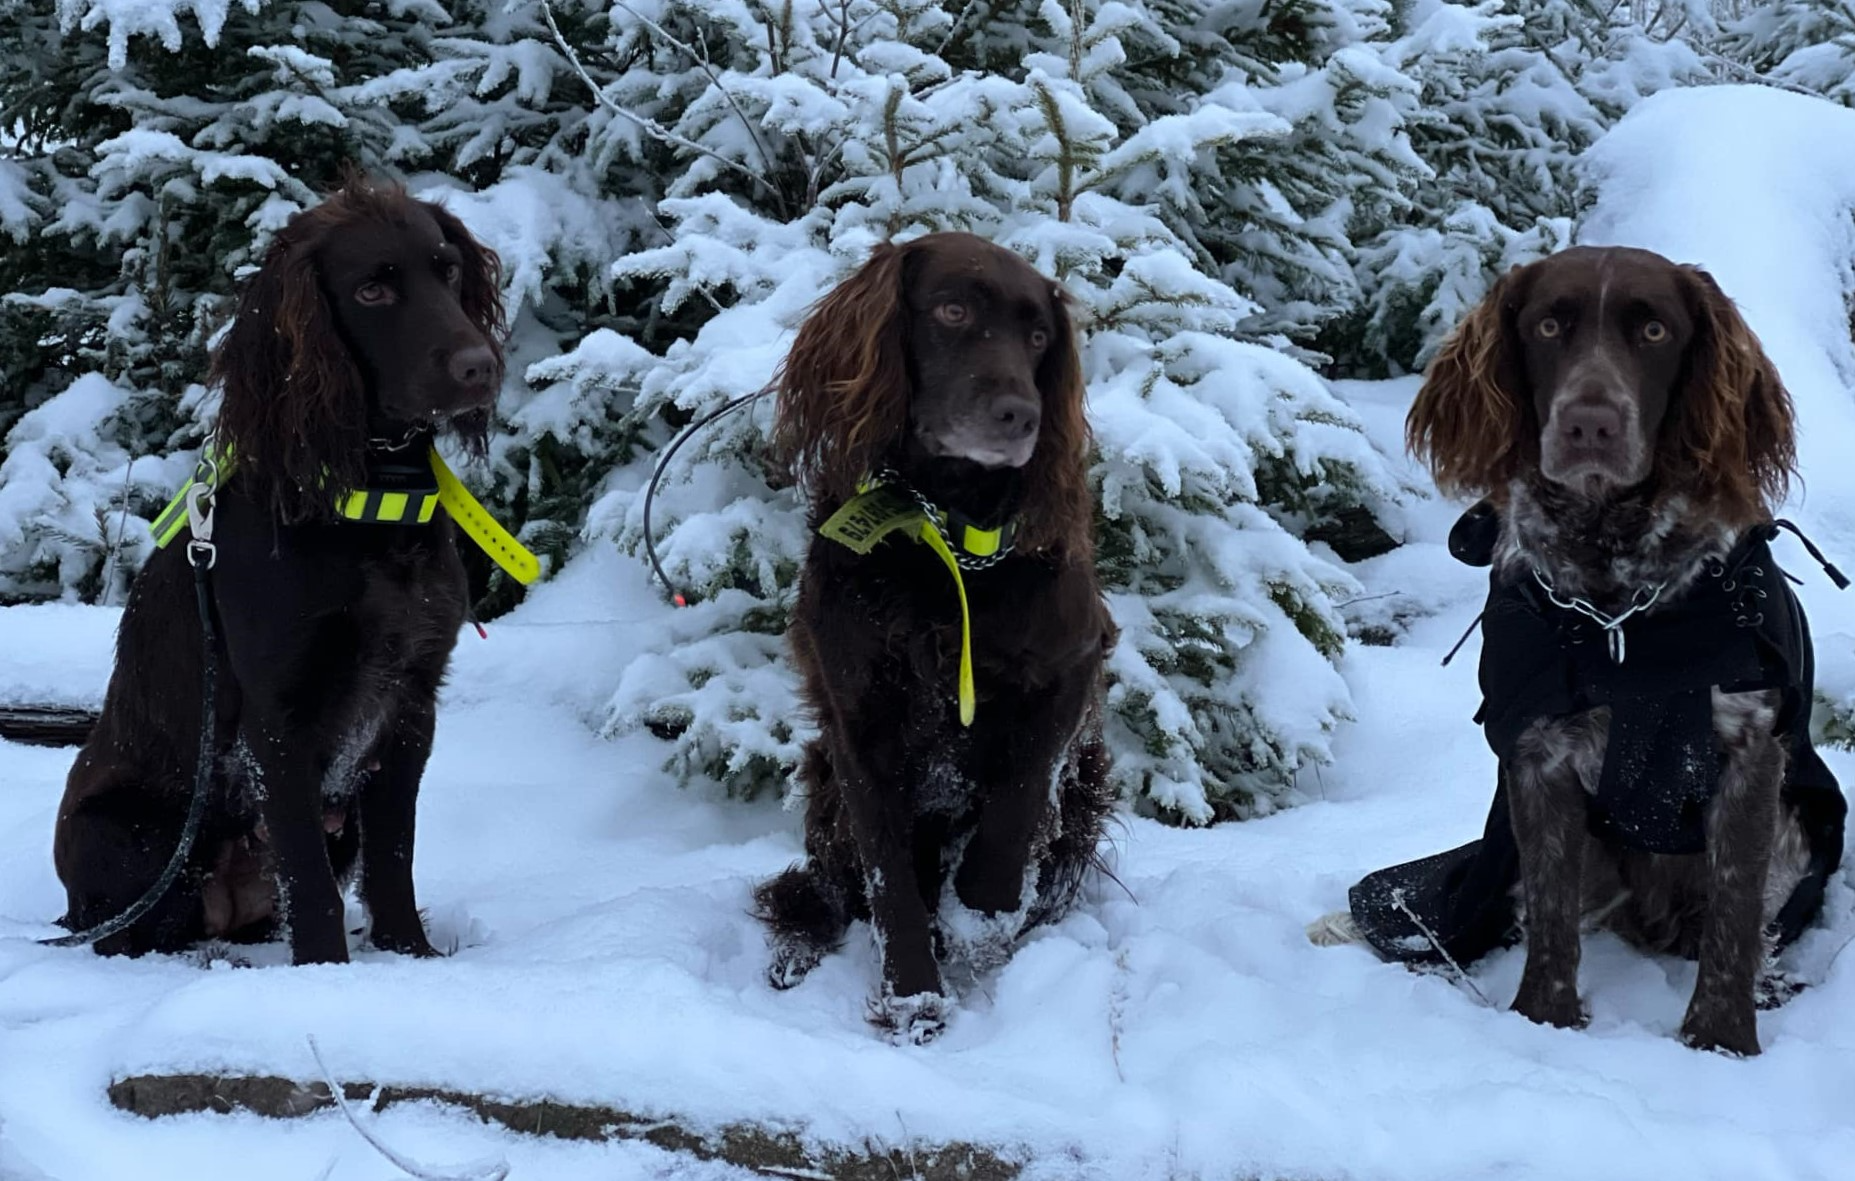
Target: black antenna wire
point(663, 465)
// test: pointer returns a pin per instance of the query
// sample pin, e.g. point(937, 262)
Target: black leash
point(200, 555)
point(650, 490)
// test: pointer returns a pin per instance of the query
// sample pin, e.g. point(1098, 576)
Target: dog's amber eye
point(953, 315)
point(1039, 338)
point(1547, 328)
point(373, 293)
point(1655, 332)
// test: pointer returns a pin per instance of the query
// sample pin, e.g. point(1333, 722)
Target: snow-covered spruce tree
point(1499, 129)
point(152, 149)
point(1512, 93)
point(156, 148)
point(1214, 452)
point(560, 184)
point(1805, 44)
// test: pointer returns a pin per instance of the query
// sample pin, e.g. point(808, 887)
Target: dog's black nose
point(1017, 415)
point(1590, 424)
point(473, 366)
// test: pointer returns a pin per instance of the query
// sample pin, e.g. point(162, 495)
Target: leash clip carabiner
point(202, 503)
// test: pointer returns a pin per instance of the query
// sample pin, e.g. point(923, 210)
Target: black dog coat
point(1738, 627)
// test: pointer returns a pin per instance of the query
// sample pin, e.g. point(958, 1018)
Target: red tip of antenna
point(679, 600)
point(481, 633)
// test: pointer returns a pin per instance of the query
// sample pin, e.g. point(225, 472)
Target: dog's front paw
point(1551, 1004)
point(793, 960)
point(1722, 1029)
point(910, 1020)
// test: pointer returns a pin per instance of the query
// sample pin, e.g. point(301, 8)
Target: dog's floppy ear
point(294, 405)
point(1058, 511)
point(843, 389)
point(1468, 423)
point(1735, 428)
point(481, 294)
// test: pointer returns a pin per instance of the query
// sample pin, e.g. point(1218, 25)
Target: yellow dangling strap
point(474, 520)
point(968, 698)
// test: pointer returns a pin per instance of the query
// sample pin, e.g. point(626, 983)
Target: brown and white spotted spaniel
point(1642, 657)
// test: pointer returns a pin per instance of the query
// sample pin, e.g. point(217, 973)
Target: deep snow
point(1183, 1028)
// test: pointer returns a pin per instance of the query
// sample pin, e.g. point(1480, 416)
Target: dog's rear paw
point(1777, 988)
point(793, 960)
point(1334, 930)
point(910, 1020)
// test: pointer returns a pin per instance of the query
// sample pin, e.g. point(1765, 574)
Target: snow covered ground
point(1182, 1028)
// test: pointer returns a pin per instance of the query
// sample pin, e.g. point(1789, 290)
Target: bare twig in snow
point(1397, 900)
point(486, 1171)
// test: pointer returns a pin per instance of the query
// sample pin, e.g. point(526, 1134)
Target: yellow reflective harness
point(885, 504)
point(379, 506)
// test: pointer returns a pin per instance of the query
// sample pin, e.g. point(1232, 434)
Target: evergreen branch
point(650, 127)
point(954, 29)
point(1746, 73)
point(702, 61)
point(842, 19)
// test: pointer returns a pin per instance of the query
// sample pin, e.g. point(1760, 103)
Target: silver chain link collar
point(1644, 598)
point(892, 478)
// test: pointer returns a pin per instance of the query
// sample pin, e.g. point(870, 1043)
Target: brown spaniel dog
point(945, 373)
point(1645, 669)
point(375, 322)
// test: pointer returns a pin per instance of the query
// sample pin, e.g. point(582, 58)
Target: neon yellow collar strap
point(386, 506)
point(475, 520)
point(880, 509)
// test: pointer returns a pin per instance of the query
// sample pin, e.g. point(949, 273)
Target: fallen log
point(769, 1151)
point(46, 725)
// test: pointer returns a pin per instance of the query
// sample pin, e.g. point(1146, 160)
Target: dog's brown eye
point(1547, 328)
point(1039, 338)
point(953, 315)
point(373, 293)
point(453, 272)
point(1655, 332)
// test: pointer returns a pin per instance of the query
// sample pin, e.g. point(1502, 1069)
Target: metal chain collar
point(938, 516)
point(1612, 625)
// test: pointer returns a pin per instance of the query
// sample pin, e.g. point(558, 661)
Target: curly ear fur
point(843, 388)
point(1471, 421)
point(294, 409)
point(1058, 510)
point(480, 296)
point(1735, 440)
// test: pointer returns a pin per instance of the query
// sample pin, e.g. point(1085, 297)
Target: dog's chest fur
point(1607, 554)
point(386, 646)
